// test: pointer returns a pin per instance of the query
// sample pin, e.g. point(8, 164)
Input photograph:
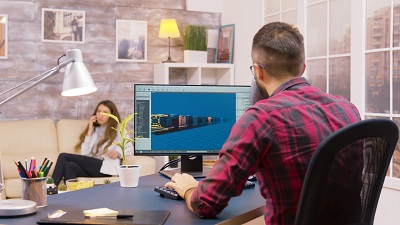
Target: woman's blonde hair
point(109, 134)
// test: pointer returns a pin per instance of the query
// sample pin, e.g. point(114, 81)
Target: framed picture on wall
point(131, 41)
point(224, 53)
point(64, 26)
point(3, 36)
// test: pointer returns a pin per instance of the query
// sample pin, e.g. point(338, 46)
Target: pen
point(120, 216)
point(44, 165)
point(22, 169)
point(19, 171)
point(33, 164)
point(124, 216)
point(48, 169)
point(44, 161)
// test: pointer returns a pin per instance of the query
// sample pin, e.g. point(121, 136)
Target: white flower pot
point(129, 175)
point(190, 56)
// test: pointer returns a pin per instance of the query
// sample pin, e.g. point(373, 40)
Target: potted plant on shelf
point(127, 173)
point(195, 44)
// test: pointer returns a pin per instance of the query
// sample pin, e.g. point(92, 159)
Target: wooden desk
point(141, 198)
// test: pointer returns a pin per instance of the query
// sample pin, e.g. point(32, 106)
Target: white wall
point(204, 5)
point(248, 20)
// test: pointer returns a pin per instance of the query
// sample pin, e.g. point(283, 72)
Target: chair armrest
point(148, 163)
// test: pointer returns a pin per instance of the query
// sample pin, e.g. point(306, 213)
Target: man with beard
point(276, 137)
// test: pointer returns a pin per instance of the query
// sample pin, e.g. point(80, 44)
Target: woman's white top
point(109, 166)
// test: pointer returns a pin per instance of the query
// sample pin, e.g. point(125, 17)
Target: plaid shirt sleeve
point(230, 172)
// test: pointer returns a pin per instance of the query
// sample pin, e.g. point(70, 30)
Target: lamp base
point(17, 207)
point(168, 61)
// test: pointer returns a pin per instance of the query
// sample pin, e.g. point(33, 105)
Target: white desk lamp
point(77, 81)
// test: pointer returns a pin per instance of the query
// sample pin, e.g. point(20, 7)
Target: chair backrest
point(345, 176)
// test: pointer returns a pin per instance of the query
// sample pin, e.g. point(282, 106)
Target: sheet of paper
point(100, 212)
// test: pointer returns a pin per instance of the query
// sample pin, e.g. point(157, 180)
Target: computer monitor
point(186, 120)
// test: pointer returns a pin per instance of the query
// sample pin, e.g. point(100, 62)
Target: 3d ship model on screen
point(167, 123)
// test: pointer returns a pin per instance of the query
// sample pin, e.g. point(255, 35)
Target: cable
point(168, 164)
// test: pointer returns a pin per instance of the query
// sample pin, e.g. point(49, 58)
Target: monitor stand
point(192, 165)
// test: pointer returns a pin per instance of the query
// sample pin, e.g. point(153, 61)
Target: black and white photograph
point(65, 26)
point(131, 44)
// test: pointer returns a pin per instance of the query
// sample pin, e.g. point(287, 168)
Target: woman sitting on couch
point(99, 156)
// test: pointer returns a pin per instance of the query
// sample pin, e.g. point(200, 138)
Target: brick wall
point(28, 56)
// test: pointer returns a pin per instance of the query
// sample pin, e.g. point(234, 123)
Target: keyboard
point(170, 193)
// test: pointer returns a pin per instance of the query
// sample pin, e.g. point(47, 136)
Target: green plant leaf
point(122, 127)
point(195, 38)
point(111, 115)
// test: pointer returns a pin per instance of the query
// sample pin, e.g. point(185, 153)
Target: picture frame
point(131, 41)
point(63, 26)
point(225, 43)
point(3, 36)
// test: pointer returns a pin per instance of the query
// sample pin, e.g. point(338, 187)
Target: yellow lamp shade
point(169, 29)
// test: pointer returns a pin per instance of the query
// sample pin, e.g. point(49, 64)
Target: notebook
point(142, 217)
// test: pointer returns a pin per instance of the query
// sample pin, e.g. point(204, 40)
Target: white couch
point(20, 140)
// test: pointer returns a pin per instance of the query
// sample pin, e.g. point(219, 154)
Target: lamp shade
point(77, 80)
point(168, 29)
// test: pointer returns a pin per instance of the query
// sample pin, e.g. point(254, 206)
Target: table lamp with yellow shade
point(169, 29)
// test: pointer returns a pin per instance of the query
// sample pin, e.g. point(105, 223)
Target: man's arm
point(184, 184)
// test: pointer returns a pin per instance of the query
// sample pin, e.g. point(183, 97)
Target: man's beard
point(257, 93)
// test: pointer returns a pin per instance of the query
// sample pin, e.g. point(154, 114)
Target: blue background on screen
point(210, 137)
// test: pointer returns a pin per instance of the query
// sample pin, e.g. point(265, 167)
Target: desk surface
point(141, 198)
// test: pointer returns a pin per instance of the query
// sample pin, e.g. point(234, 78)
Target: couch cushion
point(68, 132)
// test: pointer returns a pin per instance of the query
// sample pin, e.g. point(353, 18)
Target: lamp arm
point(19, 85)
point(43, 76)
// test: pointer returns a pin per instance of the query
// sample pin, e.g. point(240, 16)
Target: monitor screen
point(186, 119)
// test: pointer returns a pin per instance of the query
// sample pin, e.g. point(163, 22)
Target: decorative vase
point(190, 56)
point(129, 175)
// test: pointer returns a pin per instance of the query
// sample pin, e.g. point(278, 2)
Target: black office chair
point(345, 176)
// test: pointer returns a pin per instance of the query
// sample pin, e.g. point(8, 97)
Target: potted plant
point(195, 44)
point(50, 182)
point(128, 174)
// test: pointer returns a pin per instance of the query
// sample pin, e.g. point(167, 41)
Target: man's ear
point(259, 73)
point(304, 69)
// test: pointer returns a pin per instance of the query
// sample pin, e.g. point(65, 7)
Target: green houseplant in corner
point(128, 174)
point(195, 44)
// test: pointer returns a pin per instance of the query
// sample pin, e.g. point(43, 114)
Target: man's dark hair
point(280, 47)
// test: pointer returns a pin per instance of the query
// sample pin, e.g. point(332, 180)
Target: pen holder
point(34, 189)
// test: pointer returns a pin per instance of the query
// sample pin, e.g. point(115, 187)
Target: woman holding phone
point(98, 157)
